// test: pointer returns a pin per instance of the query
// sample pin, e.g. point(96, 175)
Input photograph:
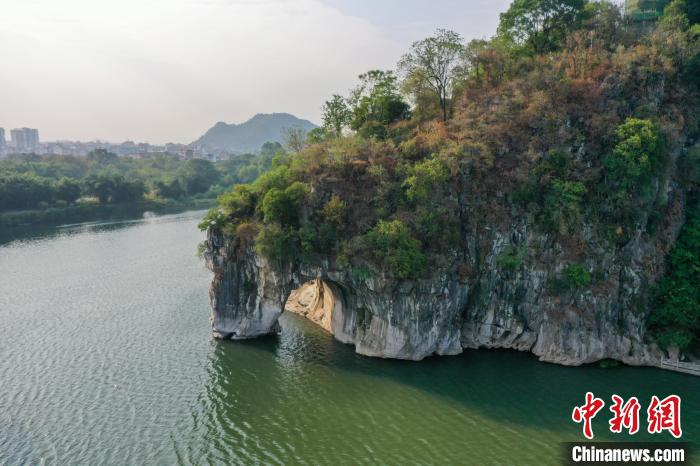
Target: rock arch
point(379, 316)
point(319, 301)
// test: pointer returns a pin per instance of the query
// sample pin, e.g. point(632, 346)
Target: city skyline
point(9, 143)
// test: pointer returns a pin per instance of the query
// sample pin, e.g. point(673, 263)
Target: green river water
point(106, 358)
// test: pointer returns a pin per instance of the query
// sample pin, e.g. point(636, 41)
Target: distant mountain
point(249, 136)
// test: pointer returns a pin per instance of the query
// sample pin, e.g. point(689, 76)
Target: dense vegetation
point(569, 117)
point(32, 181)
point(676, 318)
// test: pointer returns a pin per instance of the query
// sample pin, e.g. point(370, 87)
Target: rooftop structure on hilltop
point(644, 11)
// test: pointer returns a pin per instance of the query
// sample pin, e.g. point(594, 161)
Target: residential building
point(25, 139)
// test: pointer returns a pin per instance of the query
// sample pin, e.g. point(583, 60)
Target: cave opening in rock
point(317, 300)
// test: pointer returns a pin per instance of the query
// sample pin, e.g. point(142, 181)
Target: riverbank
point(90, 212)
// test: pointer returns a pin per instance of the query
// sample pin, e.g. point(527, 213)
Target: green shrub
point(376, 103)
point(239, 202)
point(373, 129)
point(437, 228)
point(283, 205)
point(577, 276)
point(316, 239)
point(361, 272)
point(561, 210)
point(556, 163)
point(636, 153)
point(630, 167)
point(214, 219)
point(511, 258)
point(401, 252)
point(426, 176)
point(278, 177)
point(67, 190)
point(201, 248)
point(525, 193)
point(277, 243)
point(335, 211)
point(197, 175)
point(553, 188)
point(540, 26)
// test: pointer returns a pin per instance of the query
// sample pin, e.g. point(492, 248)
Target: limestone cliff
point(537, 215)
point(468, 302)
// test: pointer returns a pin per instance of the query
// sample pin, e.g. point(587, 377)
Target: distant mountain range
point(249, 136)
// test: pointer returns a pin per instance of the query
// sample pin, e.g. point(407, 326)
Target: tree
point(604, 20)
point(562, 205)
point(169, 188)
point(282, 205)
point(487, 60)
point(436, 62)
point(128, 190)
point(401, 252)
point(99, 185)
point(335, 211)
point(102, 157)
point(316, 136)
point(197, 176)
point(108, 187)
point(67, 190)
point(473, 53)
point(336, 115)
point(426, 176)
point(269, 152)
point(636, 154)
point(295, 139)
point(24, 191)
point(630, 167)
point(540, 25)
point(376, 100)
point(270, 149)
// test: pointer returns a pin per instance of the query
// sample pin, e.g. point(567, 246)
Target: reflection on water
point(107, 359)
point(44, 232)
point(304, 396)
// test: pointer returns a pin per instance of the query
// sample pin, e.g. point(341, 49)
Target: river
point(106, 358)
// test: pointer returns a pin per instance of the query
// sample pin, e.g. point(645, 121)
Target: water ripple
point(106, 358)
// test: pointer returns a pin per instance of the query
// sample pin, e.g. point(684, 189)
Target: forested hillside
point(572, 129)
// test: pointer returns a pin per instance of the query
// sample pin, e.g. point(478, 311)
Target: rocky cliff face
point(470, 301)
point(407, 320)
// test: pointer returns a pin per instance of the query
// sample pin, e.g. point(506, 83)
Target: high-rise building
point(2, 139)
point(25, 139)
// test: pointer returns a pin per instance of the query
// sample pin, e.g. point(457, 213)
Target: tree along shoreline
point(93, 211)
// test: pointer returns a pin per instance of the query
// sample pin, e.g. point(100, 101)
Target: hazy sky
point(166, 70)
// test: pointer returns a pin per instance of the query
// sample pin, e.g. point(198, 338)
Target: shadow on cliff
point(506, 386)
